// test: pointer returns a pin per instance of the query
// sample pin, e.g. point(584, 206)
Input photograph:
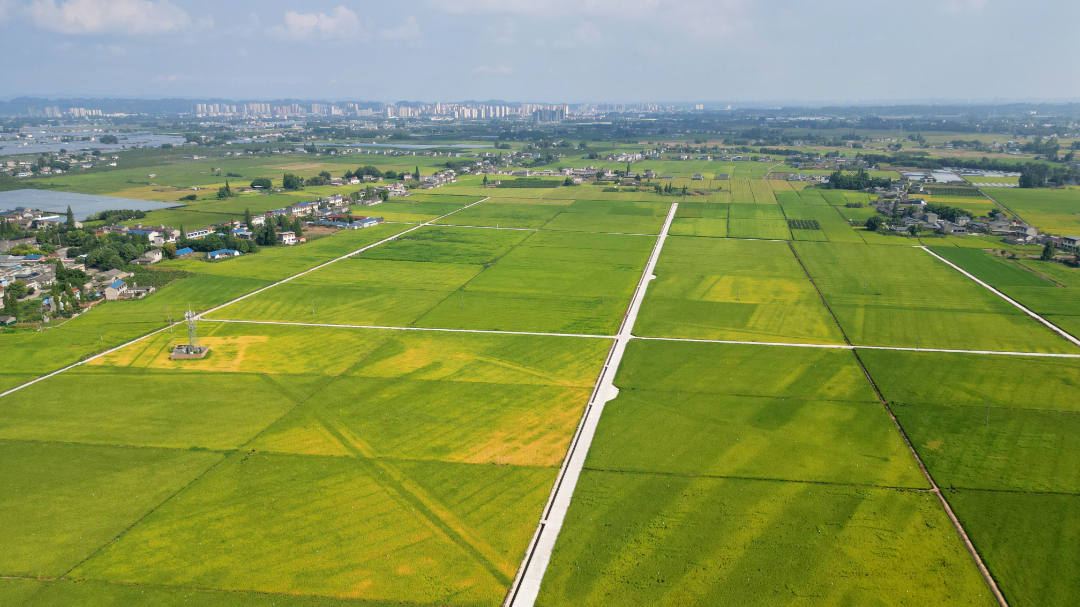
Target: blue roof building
point(184, 251)
point(223, 253)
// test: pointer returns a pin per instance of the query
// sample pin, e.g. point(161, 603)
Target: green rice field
point(387, 427)
point(734, 290)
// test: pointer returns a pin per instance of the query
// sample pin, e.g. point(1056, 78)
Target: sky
point(557, 51)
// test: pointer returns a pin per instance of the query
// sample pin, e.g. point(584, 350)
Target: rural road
point(1050, 325)
point(526, 586)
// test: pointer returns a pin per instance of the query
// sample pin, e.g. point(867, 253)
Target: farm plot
point(451, 245)
point(552, 282)
point(776, 372)
point(508, 213)
point(942, 378)
point(977, 447)
point(643, 539)
point(1017, 281)
point(359, 492)
point(700, 219)
point(1029, 541)
point(611, 217)
point(759, 229)
point(900, 296)
point(734, 290)
point(477, 417)
point(765, 438)
point(813, 198)
point(1053, 211)
point(790, 430)
point(419, 211)
point(420, 532)
point(174, 409)
point(832, 226)
point(741, 192)
point(105, 594)
point(357, 291)
point(763, 192)
point(61, 502)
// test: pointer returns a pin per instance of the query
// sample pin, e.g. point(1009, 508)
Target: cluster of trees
point(10, 231)
point(292, 182)
point(214, 242)
point(858, 181)
point(1036, 175)
point(371, 171)
point(109, 139)
point(945, 212)
point(369, 193)
point(114, 255)
point(1048, 148)
point(115, 216)
point(323, 178)
point(262, 182)
point(669, 189)
point(225, 192)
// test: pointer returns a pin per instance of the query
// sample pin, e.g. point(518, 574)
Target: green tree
point(1048, 251)
point(873, 223)
point(298, 227)
point(183, 233)
point(11, 303)
point(70, 218)
point(18, 289)
point(262, 182)
point(914, 229)
point(292, 182)
point(169, 250)
point(247, 218)
point(485, 180)
point(416, 175)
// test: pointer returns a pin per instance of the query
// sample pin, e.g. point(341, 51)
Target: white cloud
point(98, 16)
point(535, 7)
point(584, 34)
point(497, 71)
point(701, 17)
point(341, 24)
point(408, 32)
point(503, 31)
point(964, 6)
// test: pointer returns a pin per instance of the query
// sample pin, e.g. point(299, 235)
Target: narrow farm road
point(1050, 325)
point(526, 586)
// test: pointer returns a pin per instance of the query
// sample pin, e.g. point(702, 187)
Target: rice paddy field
point(681, 502)
point(732, 289)
point(1054, 211)
point(241, 475)
point(998, 432)
point(904, 297)
point(387, 429)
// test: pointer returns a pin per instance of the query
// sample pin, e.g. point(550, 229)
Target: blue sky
point(555, 51)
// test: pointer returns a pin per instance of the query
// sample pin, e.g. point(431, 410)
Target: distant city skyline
point(629, 51)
